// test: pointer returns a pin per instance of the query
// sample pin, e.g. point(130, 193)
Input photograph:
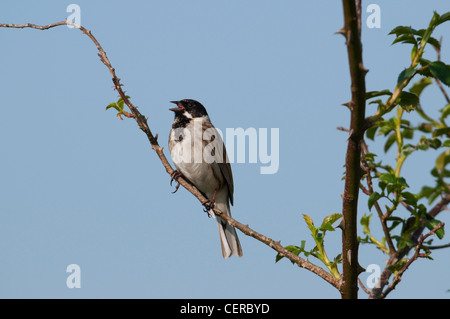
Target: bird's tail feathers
point(229, 240)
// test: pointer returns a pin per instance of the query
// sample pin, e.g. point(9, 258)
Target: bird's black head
point(189, 109)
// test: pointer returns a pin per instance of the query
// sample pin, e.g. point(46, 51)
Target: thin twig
point(387, 234)
point(343, 129)
point(398, 276)
point(408, 207)
point(394, 258)
point(437, 246)
point(367, 291)
point(143, 125)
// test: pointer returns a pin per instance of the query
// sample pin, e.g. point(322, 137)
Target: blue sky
point(79, 186)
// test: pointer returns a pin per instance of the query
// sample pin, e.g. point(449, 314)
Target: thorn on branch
point(341, 31)
point(345, 33)
point(363, 69)
point(361, 269)
point(341, 224)
point(350, 134)
point(340, 128)
point(349, 105)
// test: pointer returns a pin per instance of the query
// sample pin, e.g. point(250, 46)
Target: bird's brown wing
point(225, 168)
point(221, 158)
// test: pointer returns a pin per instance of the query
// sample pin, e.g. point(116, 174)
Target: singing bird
point(199, 155)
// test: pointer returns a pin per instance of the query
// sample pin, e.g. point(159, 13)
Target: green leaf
point(408, 149)
point(310, 224)
point(426, 127)
point(386, 126)
point(402, 182)
point(425, 71)
point(426, 191)
point(365, 221)
point(399, 265)
point(445, 112)
point(424, 62)
point(388, 178)
point(434, 143)
point(405, 38)
point(409, 198)
point(420, 32)
point(402, 30)
point(328, 221)
point(441, 71)
point(371, 131)
point(441, 131)
point(443, 18)
point(408, 101)
point(395, 222)
point(372, 94)
point(115, 106)
point(370, 157)
point(442, 160)
point(119, 105)
point(405, 74)
point(372, 199)
point(434, 223)
point(408, 133)
point(393, 183)
point(434, 42)
point(336, 260)
point(403, 242)
point(420, 85)
point(390, 141)
point(292, 248)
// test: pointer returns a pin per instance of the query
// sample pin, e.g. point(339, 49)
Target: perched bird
point(199, 155)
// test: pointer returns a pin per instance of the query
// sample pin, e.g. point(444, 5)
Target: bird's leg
point(209, 204)
point(175, 174)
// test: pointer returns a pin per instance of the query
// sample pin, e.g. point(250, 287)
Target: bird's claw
point(207, 212)
point(175, 174)
point(209, 205)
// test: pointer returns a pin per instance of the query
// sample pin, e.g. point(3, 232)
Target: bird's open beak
point(178, 108)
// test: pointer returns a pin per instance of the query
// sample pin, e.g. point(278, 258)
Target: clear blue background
point(78, 185)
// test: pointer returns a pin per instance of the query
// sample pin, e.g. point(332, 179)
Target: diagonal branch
point(395, 257)
point(398, 276)
point(153, 139)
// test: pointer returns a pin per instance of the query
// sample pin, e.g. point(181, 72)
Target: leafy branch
point(392, 188)
point(407, 263)
point(318, 251)
point(419, 39)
